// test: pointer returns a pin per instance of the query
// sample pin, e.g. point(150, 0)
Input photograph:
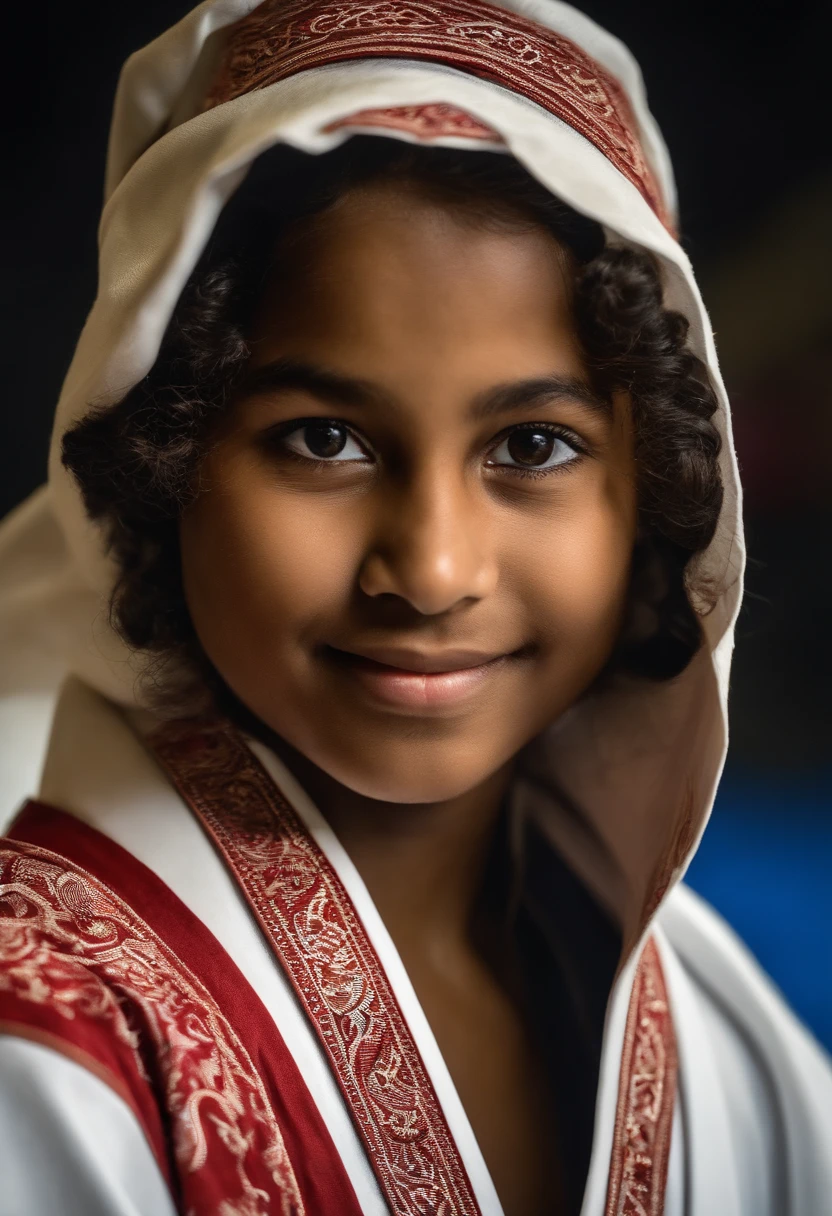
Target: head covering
point(624, 781)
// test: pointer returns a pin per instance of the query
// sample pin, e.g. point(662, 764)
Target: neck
point(423, 863)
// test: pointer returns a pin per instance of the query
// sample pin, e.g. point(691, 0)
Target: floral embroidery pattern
point(283, 37)
point(310, 921)
point(423, 122)
point(69, 944)
point(646, 1095)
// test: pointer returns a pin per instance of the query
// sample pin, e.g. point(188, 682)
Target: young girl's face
point(412, 546)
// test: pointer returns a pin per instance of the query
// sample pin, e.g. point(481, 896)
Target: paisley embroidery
point(70, 945)
point(423, 122)
point(310, 921)
point(646, 1095)
point(283, 37)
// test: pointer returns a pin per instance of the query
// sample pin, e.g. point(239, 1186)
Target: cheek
point(261, 567)
point(581, 574)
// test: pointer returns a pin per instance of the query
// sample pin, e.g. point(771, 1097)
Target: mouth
point(420, 681)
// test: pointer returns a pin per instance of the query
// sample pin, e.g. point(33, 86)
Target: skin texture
point(432, 539)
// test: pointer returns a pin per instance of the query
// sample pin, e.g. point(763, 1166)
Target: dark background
point(739, 89)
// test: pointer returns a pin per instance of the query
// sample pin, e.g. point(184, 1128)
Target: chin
point(416, 777)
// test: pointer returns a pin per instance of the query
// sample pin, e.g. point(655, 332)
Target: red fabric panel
point(321, 1178)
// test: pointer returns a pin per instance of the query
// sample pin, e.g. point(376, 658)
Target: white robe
point(746, 1066)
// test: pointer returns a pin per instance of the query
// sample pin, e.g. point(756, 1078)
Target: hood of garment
point(624, 782)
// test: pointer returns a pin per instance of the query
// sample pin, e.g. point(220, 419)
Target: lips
point(425, 663)
point(416, 681)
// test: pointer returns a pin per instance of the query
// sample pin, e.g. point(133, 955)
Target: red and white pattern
point(280, 38)
point(309, 918)
point(426, 122)
point(82, 972)
point(312, 925)
point(646, 1097)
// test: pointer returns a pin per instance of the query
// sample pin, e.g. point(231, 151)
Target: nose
point(430, 547)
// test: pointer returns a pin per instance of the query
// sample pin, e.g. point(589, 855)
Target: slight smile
point(409, 679)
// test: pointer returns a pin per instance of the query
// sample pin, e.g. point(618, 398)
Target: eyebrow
point(283, 374)
point(326, 385)
point(520, 394)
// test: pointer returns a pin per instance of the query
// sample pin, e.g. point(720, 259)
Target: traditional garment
point(201, 1009)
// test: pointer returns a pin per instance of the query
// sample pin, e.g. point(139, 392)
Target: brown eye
point(530, 447)
point(323, 439)
point(534, 447)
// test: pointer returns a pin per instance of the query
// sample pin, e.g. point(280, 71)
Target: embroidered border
point(423, 122)
point(73, 951)
point(310, 921)
point(282, 37)
point(646, 1096)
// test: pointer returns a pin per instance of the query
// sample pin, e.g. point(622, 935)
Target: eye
point(535, 447)
point(323, 439)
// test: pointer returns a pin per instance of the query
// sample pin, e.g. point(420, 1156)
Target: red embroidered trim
point(646, 1096)
point(424, 122)
point(309, 920)
point(89, 969)
point(283, 37)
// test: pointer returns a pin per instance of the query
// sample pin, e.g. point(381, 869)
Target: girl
point(392, 534)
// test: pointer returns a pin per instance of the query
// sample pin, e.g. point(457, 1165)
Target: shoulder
point(75, 965)
point(68, 1142)
point(724, 968)
point(748, 1065)
point(80, 1131)
point(148, 1004)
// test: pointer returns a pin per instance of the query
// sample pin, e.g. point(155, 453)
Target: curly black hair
point(137, 461)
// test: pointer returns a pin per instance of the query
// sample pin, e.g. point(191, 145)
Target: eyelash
point(276, 434)
point(560, 432)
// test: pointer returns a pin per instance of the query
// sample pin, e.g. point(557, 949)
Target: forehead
point(399, 280)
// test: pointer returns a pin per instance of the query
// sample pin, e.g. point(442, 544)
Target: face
point(412, 544)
